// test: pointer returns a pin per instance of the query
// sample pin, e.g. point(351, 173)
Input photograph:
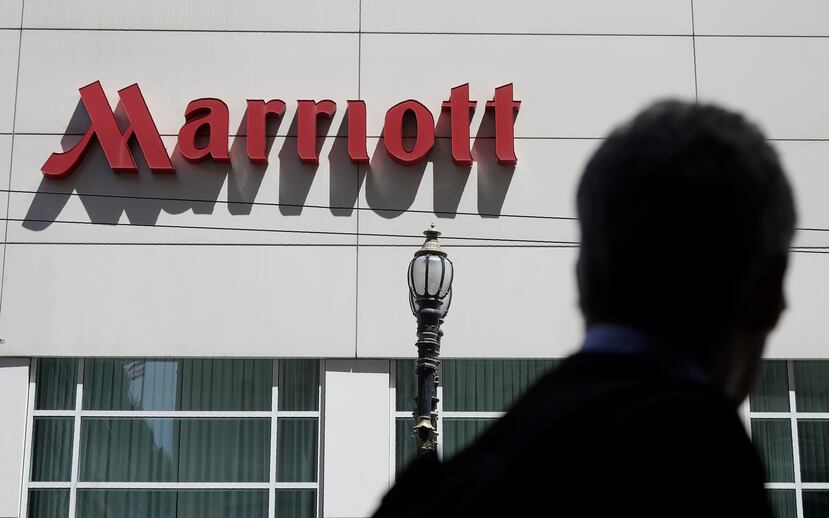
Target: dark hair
point(678, 209)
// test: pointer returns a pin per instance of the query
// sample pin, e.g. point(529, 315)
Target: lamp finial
point(431, 245)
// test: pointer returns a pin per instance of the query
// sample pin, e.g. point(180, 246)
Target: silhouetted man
point(686, 221)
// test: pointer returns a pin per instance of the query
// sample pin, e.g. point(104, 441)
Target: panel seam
point(11, 155)
point(418, 33)
point(694, 49)
point(357, 201)
point(437, 137)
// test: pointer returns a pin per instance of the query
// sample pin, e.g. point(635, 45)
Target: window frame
point(78, 413)
point(792, 415)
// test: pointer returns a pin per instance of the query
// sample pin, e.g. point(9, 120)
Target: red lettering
point(209, 117)
point(357, 151)
point(258, 111)
point(460, 110)
point(307, 114)
point(212, 113)
point(114, 143)
point(505, 109)
point(393, 132)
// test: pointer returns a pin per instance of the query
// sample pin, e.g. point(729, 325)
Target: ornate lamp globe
point(430, 277)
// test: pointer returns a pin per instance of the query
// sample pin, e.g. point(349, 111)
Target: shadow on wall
point(390, 188)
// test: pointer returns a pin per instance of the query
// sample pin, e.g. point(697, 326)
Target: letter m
point(114, 143)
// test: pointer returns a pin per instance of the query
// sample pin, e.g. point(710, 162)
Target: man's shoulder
point(617, 398)
point(588, 426)
point(600, 385)
point(607, 422)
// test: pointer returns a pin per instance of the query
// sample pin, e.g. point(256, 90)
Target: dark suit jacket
point(602, 435)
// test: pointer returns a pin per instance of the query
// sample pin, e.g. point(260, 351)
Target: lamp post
point(430, 294)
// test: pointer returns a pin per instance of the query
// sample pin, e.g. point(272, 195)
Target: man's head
point(686, 220)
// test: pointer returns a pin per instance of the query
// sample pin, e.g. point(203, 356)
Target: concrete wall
point(297, 260)
point(14, 390)
point(357, 461)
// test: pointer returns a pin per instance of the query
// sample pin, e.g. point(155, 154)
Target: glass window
point(137, 503)
point(56, 384)
point(815, 504)
point(488, 385)
point(297, 453)
point(773, 439)
point(48, 503)
point(811, 382)
point(459, 433)
point(129, 503)
point(52, 449)
point(295, 503)
point(404, 446)
point(771, 392)
point(186, 384)
point(299, 384)
point(150, 425)
point(174, 450)
point(783, 503)
point(813, 439)
point(405, 385)
point(772, 434)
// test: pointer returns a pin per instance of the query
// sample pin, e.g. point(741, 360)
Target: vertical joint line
point(798, 484)
point(357, 279)
point(694, 49)
point(393, 427)
point(27, 448)
point(439, 394)
point(272, 466)
point(76, 439)
point(359, 172)
point(321, 441)
point(11, 151)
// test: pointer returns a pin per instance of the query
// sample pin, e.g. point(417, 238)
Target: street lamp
point(430, 294)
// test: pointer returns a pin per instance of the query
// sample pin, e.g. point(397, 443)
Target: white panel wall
point(570, 86)
point(9, 42)
point(298, 260)
point(807, 163)
point(762, 17)
point(14, 388)
point(357, 437)
point(508, 301)
point(286, 202)
point(5, 168)
point(10, 11)
point(219, 15)
point(160, 300)
point(530, 16)
point(532, 202)
point(171, 68)
point(802, 333)
point(780, 82)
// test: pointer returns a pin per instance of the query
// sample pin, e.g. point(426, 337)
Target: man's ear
point(766, 298)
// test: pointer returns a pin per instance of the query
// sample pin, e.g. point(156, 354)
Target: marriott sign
point(213, 115)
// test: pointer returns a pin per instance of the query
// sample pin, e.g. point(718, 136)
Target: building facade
point(228, 334)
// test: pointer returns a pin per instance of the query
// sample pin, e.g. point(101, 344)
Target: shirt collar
point(629, 341)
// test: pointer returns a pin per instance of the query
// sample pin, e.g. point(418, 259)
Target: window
point(472, 394)
point(789, 414)
point(201, 438)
